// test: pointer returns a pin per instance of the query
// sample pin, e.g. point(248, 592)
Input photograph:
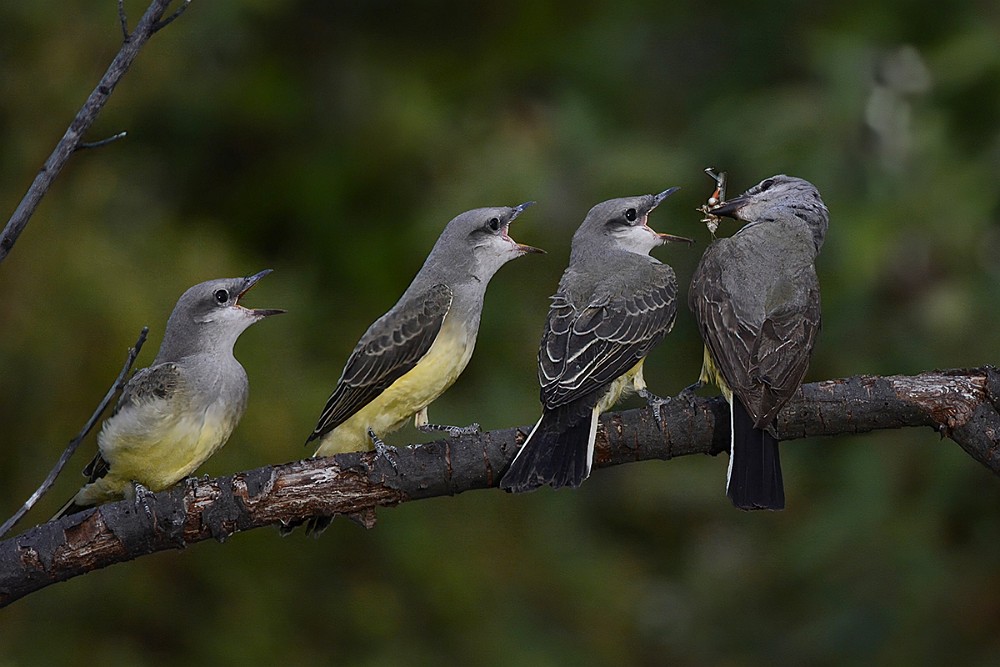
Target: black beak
point(249, 282)
point(663, 195)
point(730, 208)
point(521, 246)
point(520, 209)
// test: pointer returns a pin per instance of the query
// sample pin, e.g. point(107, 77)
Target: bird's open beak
point(249, 282)
point(520, 246)
point(672, 238)
point(730, 207)
point(663, 195)
point(665, 238)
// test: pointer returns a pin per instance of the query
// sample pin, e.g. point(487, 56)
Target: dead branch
point(959, 404)
point(116, 387)
point(151, 21)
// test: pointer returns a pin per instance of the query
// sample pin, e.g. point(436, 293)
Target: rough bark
point(960, 404)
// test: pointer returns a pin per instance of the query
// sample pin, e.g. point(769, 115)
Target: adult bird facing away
point(413, 353)
point(755, 297)
point(614, 304)
point(173, 415)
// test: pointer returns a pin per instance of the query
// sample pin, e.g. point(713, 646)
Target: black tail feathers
point(315, 525)
point(755, 481)
point(553, 454)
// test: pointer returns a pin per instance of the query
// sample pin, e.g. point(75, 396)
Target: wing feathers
point(390, 348)
point(586, 347)
point(762, 355)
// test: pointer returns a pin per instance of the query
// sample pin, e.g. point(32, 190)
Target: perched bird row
point(755, 297)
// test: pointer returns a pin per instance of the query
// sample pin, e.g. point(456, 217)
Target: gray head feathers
point(621, 224)
point(780, 196)
point(209, 318)
point(474, 245)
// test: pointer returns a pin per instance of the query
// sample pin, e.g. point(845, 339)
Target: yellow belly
point(626, 383)
point(434, 373)
point(156, 449)
point(710, 374)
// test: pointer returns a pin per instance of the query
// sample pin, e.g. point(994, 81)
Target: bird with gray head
point(755, 297)
point(413, 353)
point(173, 415)
point(614, 304)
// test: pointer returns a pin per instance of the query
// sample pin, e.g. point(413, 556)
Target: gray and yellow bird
point(408, 357)
point(614, 304)
point(755, 297)
point(173, 415)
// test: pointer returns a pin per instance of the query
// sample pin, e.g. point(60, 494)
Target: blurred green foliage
point(333, 141)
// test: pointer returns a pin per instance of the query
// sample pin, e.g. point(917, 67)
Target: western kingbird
point(173, 415)
point(755, 297)
point(614, 304)
point(413, 353)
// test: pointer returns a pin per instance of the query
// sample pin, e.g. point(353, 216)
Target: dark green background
point(331, 141)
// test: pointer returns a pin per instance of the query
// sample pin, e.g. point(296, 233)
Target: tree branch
point(116, 387)
point(71, 140)
point(961, 404)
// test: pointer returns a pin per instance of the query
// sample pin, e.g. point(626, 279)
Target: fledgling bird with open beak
point(755, 297)
point(173, 415)
point(408, 357)
point(413, 353)
point(614, 304)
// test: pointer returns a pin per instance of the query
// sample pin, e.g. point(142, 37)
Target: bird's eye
point(766, 184)
point(494, 224)
point(221, 296)
point(630, 215)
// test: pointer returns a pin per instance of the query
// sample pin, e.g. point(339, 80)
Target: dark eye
point(221, 296)
point(494, 224)
point(630, 215)
point(766, 184)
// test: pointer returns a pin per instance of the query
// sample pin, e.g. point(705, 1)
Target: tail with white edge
point(753, 481)
point(554, 454)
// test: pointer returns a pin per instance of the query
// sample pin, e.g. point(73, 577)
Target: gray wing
point(585, 349)
point(390, 349)
point(782, 352)
point(763, 364)
point(155, 382)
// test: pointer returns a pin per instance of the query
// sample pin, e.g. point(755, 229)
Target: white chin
point(639, 240)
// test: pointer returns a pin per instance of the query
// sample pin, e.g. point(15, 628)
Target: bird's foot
point(453, 431)
point(139, 502)
point(382, 450)
point(655, 404)
point(688, 393)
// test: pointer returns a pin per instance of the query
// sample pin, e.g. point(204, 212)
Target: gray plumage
point(443, 303)
point(173, 415)
point(614, 304)
point(390, 349)
point(756, 301)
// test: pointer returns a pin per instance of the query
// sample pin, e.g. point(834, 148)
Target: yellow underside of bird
point(412, 393)
point(710, 374)
point(627, 383)
point(157, 451)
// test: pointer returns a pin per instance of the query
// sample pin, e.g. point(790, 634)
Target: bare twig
point(103, 142)
point(119, 382)
point(170, 19)
point(148, 24)
point(960, 403)
point(123, 20)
